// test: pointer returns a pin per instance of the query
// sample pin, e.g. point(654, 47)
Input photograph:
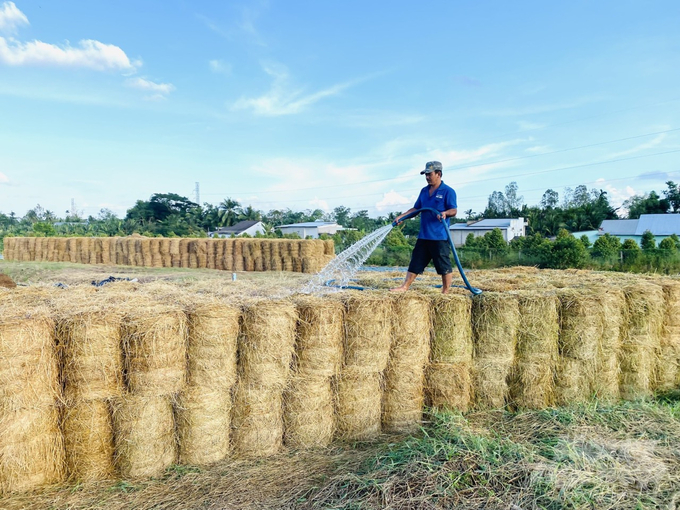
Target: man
point(433, 238)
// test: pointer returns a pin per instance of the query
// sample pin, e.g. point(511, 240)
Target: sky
point(314, 105)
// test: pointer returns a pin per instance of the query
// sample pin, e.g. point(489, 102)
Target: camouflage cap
point(432, 166)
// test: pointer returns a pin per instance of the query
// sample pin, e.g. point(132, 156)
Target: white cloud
point(643, 146)
point(11, 17)
point(90, 54)
point(220, 67)
point(157, 90)
point(281, 99)
point(616, 195)
point(3, 178)
point(392, 199)
point(320, 204)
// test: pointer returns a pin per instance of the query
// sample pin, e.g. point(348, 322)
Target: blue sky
point(307, 104)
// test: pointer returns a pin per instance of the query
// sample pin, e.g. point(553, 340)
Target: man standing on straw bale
point(433, 238)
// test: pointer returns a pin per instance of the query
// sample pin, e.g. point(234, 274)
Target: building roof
point(238, 227)
point(619, 227)
point(483, 224)
point(658, 224)
point(309, 224)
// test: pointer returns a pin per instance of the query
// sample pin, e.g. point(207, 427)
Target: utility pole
point(197, 195)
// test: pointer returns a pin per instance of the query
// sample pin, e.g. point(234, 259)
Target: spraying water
point(344, 266)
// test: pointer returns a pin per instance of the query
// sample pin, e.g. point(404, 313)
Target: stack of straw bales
point(359, 386)
point(31, 443)
point(668, 369)
point(308, 256)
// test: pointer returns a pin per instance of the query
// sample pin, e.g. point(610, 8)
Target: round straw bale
point(402, 404)
point(308, 412)
point(92, 355)
point(641, 341)
point(31, 448)
point(329, 247)
point(175, 253)
point(449, 385)
point(267, 344)
point(411, 326)
point(184, 255)
point(193, 253)
point(495, 322)
point(532, 380)
point(31, 248)
point(90, 245)
point(228, 255)
point(606, 384)
point(29, 371)
point(213, 336)
point(88, 440)
point(452, 328)
point(203, 425)
point(144, 434)
point(257, 420)
point(238, 264)
point(210, 255)
point(358, 404)
point(201, 246)
point(155, 251)
point(106, 250)
point(37, 250)
point(60, 250)
point(218, 245)
point(368, 322)
point(286, 263)
point(581, 320)
point(668, 365)
point(154, 343)
point(71, 249)
point(320, 336)
point(297, 265)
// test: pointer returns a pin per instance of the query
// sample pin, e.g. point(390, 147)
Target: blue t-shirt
point(442, 200)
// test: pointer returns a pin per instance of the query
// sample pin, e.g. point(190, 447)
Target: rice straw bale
point(238, 264)
point(368, 324)
point(210, 256)
point(202, 253)
point(358, 404)
point(606, 384)
point(641, 341)
point(581, 320)
point(175, 252)
point(106, 250)
point(319, 336)
point(495, 322)
point(144, 436)
point(92, 358)
point(228, 255)
point(71, 248)
point(449, 385)
point(37, 250)
point(267, 344)
point(668, 366)
point(184, 255)
point(403, 399)
point(308, 412)
point(29, 371)
point(30, 248)
point(90, 249)
point(155, 251)
point(452, 329)
point(203, 425)
point(213, 337)
point(31, 448)
point(218, 248)
point(154, 343)
point(88, 440)
point(532, 384)
point(257, 420)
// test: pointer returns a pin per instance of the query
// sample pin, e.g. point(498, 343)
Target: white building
point(311, 229)
point(249, 227)
point(509, 227)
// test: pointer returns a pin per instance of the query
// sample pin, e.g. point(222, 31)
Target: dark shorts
point(426, 250)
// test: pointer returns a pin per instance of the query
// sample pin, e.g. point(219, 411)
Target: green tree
point(585, 241)
point(567, 251)
point(668, 247)
point(646, 204)
point(672, 194)
point(631, 252)
point(606, 247)
point(648, 242)
point(495, 243)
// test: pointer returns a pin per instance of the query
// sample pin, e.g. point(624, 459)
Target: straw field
point(129, 379)
point(241, 254)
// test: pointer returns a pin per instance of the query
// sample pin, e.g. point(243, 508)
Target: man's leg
point(446, 282)
point(410, 277)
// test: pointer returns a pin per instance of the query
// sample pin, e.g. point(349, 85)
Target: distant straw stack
point(532, 383)
point(495, 321)
point(409, 353)
point(238, 255)
point(175, 252)
point(641, 341)
point(144, 432)
point(184, 255)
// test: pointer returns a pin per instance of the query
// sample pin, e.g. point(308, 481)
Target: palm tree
point(228, 212)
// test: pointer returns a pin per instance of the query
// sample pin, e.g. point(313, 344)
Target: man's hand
point(442, 216)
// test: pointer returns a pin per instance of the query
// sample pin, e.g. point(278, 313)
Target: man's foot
point(401, 288)
point(445, 291)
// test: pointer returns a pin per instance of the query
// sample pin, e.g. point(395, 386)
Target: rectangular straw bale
point(219, 253)
point(144, 436)
point(449, 385)
point(668, 367)
point(184, 253)
point(329, 247)
point(308, 412)
point(213, 337)
point(532, 384)
point(201, 253)
point(31, 448)
point(267, 344)
point(320, 327)
point(228, 254)
point(193, 253)
point(88, 440)
point(257, 420)
point(106, 250)
point(154, 344)
point(368, 331)
point(238, 264)
point(606, 384)
point(31, 247)
point(581, 322)
point(210, 256)
point(203, 425)
point(495, 322)
point(71, 249)
point(37, 250)
point(155, 250)
point(174, 252)
point(641, 341)
point(358, 404)
point(92, 357)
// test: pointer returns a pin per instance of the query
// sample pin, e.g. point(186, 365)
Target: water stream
point(340, 271)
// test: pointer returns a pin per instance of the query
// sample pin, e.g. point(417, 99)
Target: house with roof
point(311, 229)
point(250, 227)
point(509, 227)
point(660, 225)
